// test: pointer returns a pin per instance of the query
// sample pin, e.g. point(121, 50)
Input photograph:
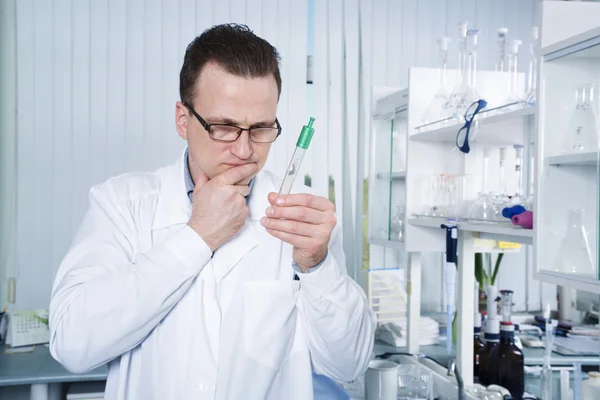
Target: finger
point(244, 190)
point(236, 174)
point(298, 213)
point(301, 242)
point(306, 200)
point(294, 227)
point(272, 197)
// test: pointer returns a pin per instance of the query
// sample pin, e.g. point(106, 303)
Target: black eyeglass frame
point(207, 126)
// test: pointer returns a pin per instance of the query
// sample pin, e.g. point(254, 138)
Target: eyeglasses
point(230, 133)
point(462, 137)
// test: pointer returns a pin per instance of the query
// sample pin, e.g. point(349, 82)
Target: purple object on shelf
point(525, 219)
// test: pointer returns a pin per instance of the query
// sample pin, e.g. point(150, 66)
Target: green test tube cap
point(306, 135)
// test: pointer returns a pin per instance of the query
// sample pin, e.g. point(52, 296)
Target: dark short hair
point(233, 47)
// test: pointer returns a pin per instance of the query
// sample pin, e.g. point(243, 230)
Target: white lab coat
point(138, 289)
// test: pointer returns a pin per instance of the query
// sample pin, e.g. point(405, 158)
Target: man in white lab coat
point(198, 281)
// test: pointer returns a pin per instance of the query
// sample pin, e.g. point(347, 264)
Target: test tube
point(294, 166)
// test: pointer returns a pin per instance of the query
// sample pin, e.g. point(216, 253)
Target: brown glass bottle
point(507, 363)
point(477, 346)
point(492, 329)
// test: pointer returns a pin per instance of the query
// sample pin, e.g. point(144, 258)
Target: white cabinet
point(567, 206)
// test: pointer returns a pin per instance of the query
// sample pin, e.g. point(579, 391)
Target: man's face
point(222, 98)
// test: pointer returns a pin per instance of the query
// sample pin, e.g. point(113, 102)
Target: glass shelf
point(387, 173)
point(568, 179)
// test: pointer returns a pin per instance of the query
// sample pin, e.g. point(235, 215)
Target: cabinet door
point(567, 211)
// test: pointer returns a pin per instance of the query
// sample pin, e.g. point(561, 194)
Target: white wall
point(97, 84)
point(403, 34)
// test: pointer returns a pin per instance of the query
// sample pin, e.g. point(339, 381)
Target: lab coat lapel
point(174, 207)
point(232, 252)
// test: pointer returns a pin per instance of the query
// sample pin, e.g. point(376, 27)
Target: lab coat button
point(203, 387)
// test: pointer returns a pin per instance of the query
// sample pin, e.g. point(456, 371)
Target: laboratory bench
point(39, 370)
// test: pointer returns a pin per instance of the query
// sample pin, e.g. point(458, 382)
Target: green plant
point(484, 274)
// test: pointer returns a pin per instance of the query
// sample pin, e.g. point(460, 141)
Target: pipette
point(301, 146)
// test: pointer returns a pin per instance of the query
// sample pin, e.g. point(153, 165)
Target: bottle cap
point(503, 31)
point(514, 46)
point(306, 135)
point(443, 42)
point(507, 327)
point(477, 320)
point(462, 29)
point(492, 326)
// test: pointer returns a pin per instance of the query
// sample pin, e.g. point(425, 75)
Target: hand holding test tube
point(303, 220)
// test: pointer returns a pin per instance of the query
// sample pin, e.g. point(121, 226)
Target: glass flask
point(483, 208)
point(465, 92)
point(574, 254)
point(439, 108)
point(507, 363)
point(514, 94)
point(530, 95)
point(583, 128)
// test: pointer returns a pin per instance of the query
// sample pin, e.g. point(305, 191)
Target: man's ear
point(181, 119)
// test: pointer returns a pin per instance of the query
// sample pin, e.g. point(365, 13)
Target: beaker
point(583, 128)
point(439, 108)
point(574, 254)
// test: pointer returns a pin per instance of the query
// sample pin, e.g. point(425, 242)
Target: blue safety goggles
point(462, 137)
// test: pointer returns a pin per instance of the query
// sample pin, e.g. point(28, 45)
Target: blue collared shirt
point(189, 187)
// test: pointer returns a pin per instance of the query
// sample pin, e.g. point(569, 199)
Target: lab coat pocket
point(270, 321)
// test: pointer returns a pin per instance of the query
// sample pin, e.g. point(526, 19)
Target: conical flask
point(439, 107)
point(574, 255)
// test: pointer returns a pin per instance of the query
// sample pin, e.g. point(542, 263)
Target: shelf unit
point(430, 149)
point(568, 181)
point(562, 180)
point(587, 158)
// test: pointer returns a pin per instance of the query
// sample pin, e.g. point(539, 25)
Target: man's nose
point(242, 147)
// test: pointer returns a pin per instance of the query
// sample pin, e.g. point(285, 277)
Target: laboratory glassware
point(483, 208)
point(506, 303)
point(492, 338)
point(397, 224)
point(507, 363)
point(515, 96)
point(439, 108)
point(517, 198)
point(501, 42)
point(294, 166)
point(530, 95)
point(529, 201)
point(464, 92)
point(574, 254)
point(583, 128)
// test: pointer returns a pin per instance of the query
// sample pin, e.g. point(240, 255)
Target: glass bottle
point(515, 97)
point(492, 337)
point(574, 254)
point(530, 96)
point(529, 201)
point(507, 363)
point(439, 108)
point(583, 133)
